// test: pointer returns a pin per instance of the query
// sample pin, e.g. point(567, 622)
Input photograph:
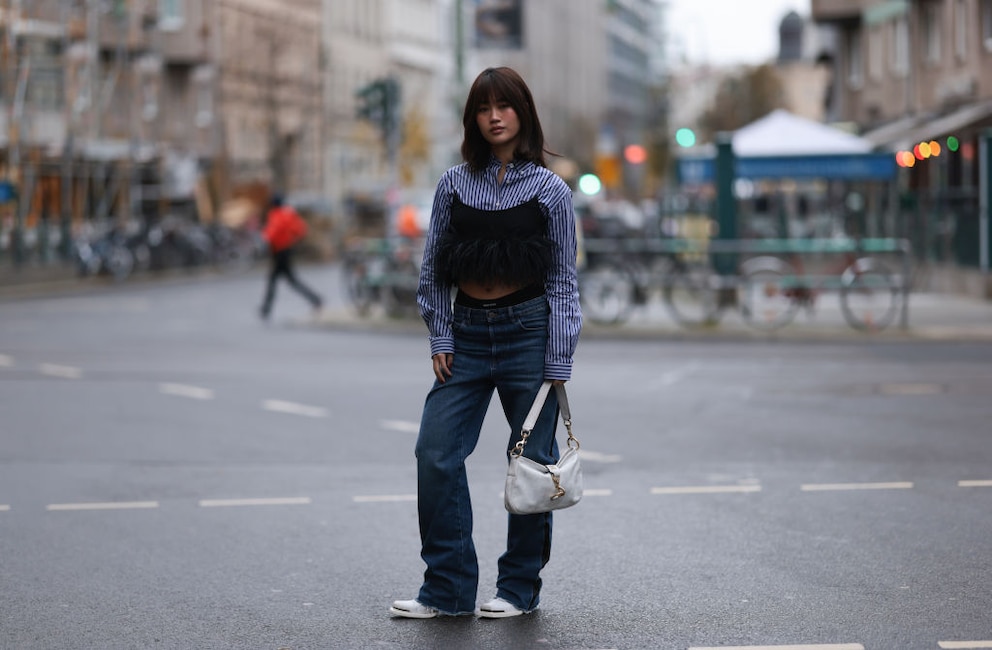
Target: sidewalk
point(931, 316)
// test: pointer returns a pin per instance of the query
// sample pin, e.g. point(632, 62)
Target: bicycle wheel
point(360, 292)
point(766, 295)
point(869, 295)
point(607, 294)
point(692, 296)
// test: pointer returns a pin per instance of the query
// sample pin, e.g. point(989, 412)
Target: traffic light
point(685, 137)
point(379, 103)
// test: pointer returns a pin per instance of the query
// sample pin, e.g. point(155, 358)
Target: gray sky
point(729, 31)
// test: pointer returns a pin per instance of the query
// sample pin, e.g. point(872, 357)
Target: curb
point(345, 321)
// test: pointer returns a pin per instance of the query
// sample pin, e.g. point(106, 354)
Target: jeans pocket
point(532, 321)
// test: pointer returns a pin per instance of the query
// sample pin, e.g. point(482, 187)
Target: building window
point(961, 29)
point(931, 32)
point(986, 22)
point(854, 62)
point(170, 15)
point(900, 47)
point(875, 53)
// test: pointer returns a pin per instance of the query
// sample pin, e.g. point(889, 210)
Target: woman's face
point(498, 123)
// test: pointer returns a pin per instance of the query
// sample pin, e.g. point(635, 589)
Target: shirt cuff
point(442, 345)
point(562, 371)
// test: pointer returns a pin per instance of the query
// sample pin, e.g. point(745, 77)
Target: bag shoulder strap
point(535, 412)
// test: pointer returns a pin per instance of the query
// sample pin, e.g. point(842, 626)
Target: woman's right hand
point(443, 363)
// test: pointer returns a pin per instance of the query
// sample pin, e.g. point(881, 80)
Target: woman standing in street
point(502, 237)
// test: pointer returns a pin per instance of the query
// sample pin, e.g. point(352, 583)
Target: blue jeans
point(498, 349)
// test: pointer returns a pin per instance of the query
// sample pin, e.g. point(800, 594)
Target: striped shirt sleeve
point(562, 286)
point(434, 297)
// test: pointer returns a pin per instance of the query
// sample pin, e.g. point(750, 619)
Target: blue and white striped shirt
point(522, 182)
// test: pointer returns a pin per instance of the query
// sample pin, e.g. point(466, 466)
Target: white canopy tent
point(781, 133)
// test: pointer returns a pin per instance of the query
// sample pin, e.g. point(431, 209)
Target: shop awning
point(907, 132)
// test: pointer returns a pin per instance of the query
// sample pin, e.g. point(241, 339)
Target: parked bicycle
point(767, 290)
point(774, 290)
point(383, 272)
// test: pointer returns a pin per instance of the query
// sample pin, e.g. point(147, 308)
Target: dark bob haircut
point(502, 85)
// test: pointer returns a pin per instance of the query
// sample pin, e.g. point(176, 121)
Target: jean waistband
point(517, 297)
point(533, 306)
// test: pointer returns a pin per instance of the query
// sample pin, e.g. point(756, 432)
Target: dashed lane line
point(277, 501)
point(292, 408)
point(109, 505)
point(6, 362)
point(4, 508)
point(185, 390)
point(63, 372)
point(964, 645)
point(385, 498)
point(828, 487)
point(974, 483)
point(707, 489)
point(403, 426)
point(827, 646)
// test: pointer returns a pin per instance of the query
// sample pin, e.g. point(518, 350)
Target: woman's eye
point(483, 109)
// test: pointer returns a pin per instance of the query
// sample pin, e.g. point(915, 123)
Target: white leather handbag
point(533, 487)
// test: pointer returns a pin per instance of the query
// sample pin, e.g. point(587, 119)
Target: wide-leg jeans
point(500, 349)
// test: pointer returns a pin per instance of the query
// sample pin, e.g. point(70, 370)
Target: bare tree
point(742, 99)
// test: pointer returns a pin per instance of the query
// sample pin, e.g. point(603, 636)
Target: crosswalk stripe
point(110, 505)
point(827, 487)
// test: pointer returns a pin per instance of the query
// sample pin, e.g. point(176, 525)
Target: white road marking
point(827, 646)
point(6, 362)
point(4, 508)
point(910, 389)
point(278, 501)
point(602, 492)
point(111, 505)
point(598, 457)
point(964, 645)
point(707, 489)
point(974, 483)
point(184, 390)
point(385, 498)
point(402, 426)
point(280, 406)
point(65, 372)
point(827, 487)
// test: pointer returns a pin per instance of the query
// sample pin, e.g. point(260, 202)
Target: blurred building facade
point(111, 108)
point(918, 71)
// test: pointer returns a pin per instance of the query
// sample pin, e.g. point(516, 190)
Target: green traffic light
point(685, 137)
point(953, 143)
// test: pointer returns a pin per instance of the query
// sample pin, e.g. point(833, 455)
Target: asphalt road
point(175, 473)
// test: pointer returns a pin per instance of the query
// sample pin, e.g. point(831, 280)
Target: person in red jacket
point(284, 227)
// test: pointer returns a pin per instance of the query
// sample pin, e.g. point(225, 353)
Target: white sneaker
point(412, 609)
point(499, 608)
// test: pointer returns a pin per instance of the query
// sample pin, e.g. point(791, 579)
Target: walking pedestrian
point(502, 236)
point(284, 228)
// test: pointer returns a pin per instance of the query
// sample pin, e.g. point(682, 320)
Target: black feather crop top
point(508, 247)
